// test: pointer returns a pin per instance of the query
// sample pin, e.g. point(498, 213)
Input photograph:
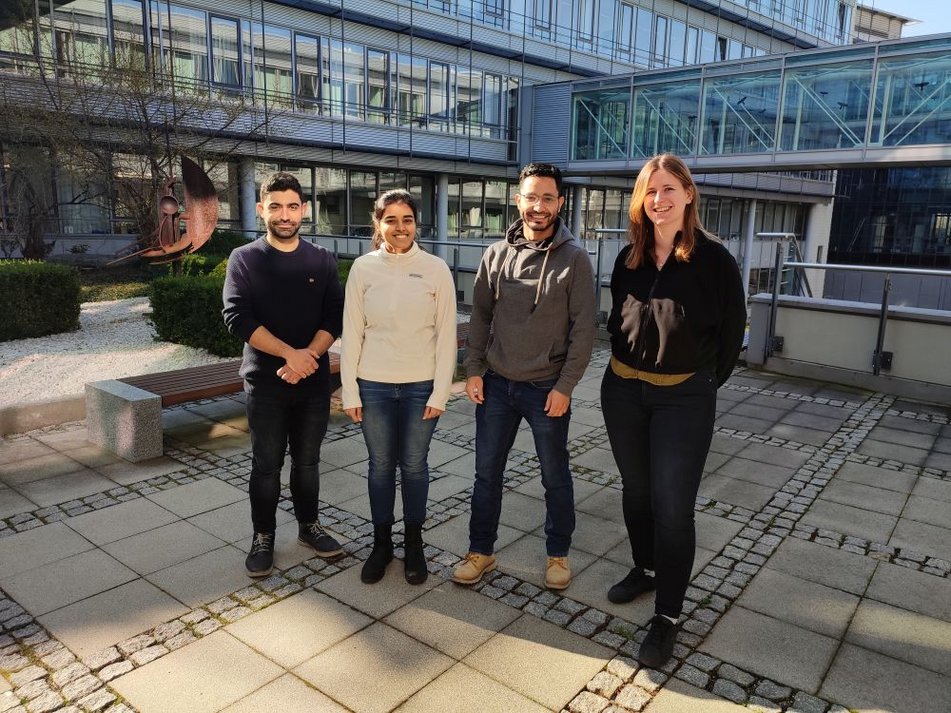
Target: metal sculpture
point(169, 243)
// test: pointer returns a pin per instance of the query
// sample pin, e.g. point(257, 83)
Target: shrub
point(343, 269)
point(37, 298)
point(200, 263)
point(222, 242)
point(187, 310)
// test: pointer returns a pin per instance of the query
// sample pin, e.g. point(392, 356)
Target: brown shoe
point(557, 573)
point(471, 569)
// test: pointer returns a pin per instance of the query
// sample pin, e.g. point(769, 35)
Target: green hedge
point(37, 298)
point(198, 263)
point(187, 310)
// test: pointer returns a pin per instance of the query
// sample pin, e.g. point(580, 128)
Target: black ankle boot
point(414, 560)
point(375, 566)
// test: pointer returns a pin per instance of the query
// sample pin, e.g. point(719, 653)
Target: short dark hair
point(282, 181)
point(543, 170)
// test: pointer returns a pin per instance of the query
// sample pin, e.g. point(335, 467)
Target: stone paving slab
point(770, 647)
point(770, 589)
point(870, 681)
point(171, 686)
point(806, 604)
point(299, 627)
point(833, 568)
point(288, 693)
point(204, 578)
point(78, 577)
point(464, 690)
point(124, 520)
point(539, 660)
point(680, 697)
point(452, 619)
point(374, 670)
point(877, 527)
point(901, 634)
point(91, 625)
point(28, 550)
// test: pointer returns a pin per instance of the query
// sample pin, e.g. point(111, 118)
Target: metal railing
point(880, 359)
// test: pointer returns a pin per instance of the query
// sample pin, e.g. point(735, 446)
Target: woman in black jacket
point(676, 325)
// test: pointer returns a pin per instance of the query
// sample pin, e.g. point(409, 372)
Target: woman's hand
point(355, 413)
point(432, 412)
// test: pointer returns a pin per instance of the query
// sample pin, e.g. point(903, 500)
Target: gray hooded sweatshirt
point(533, 310)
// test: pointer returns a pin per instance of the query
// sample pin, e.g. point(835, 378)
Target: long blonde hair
point(641, 230)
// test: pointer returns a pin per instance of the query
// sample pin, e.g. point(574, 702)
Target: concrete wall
point(835, 341)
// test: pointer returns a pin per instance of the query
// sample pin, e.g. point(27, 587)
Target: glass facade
point(202, 49)
point(893, 216)
point(818, 101)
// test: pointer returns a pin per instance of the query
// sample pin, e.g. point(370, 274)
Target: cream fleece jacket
point(399, 323)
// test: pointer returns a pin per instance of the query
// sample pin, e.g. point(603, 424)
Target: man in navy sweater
point(282, 297)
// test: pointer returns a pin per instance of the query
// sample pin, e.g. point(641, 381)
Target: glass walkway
point(887, 103)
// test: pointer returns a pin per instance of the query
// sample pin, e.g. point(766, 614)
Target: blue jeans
point(660, 436)
point(276, 421)
point(396, 434)
point(497, 421)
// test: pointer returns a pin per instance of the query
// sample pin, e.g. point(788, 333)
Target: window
point(354, 70)
point(678, 39)
point(331, 76)
point(272, 63)
point(378, 86)
point(643, 37)
point(128, 33)
point(542, 14)
point(439, 95)
point(180, 41)
point(411, 91)
point(307, 66)
point(585, 21)
point(625, 28)
point(469, 106)
point(659, 58)
point(225, 59)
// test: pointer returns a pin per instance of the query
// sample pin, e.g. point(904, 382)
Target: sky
point(935, 15)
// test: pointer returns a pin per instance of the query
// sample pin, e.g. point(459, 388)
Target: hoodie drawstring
point(541, 279)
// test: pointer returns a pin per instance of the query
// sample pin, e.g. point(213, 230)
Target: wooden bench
point(125, 415)
point(206, 381)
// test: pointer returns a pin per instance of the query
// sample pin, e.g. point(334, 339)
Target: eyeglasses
point(545, 200)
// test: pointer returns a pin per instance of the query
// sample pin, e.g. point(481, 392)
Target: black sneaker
point(659, 644)
point(313, 535)
point(631, 587)
point(260, 560)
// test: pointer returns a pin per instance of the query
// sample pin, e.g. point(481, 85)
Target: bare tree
point(114, 120)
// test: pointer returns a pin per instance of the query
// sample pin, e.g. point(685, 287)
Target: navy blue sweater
point(293, 295)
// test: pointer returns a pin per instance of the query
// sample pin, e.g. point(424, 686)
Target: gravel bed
point(115, 339)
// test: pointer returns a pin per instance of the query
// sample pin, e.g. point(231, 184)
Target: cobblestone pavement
point(822, 582)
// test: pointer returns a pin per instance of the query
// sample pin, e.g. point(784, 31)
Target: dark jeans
point(497, 420)
point(660, 436)
point(276, 421)
point(395, 433)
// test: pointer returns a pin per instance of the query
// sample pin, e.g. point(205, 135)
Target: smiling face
point(666, 201)
point(397, 227)
point(538, 204)
point(282, 212)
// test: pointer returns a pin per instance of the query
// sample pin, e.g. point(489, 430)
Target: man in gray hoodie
point(530, 339)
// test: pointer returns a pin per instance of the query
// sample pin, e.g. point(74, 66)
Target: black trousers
point(660, 436)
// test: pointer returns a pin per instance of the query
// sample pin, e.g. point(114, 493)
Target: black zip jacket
point(683, 318)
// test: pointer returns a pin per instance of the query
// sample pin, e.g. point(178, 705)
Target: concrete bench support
point(124, 419)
